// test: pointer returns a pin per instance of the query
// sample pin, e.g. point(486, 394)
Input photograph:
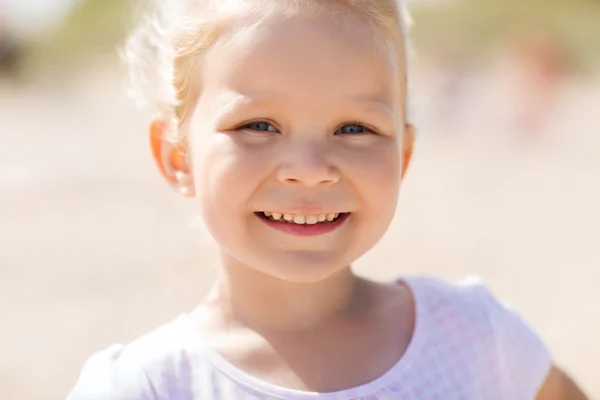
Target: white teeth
point(299, 219)
point(288, 217)
point(312, 219)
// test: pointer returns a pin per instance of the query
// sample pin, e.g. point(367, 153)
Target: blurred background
point(96, 249)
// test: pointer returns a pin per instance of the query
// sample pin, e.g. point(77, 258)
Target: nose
point(308, 166)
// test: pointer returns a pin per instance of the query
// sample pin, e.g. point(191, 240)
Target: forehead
point(306, 54)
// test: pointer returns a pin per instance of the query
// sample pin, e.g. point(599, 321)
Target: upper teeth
point(302, 219)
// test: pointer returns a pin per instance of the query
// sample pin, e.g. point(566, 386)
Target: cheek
point(376, 179)
point(219, 188)
point(374, 175)
point(227, 175)
point(376, 172)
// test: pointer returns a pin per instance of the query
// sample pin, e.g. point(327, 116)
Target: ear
point(408, 142)
point(171, 158)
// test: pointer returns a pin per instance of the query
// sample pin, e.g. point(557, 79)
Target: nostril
point(311, 171)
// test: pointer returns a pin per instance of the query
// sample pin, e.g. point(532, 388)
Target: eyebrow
point(375, 105)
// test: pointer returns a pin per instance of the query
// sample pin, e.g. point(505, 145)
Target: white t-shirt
point(466, 346)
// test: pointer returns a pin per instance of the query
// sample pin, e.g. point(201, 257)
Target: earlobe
point(408, 142)
point(170, 158)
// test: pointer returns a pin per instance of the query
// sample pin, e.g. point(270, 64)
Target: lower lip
point(305, 229)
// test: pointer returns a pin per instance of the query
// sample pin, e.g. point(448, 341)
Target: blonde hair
point(169, 43)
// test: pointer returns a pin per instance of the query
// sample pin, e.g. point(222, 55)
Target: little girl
point(286, 120)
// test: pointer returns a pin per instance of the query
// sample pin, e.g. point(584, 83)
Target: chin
point(304, 267)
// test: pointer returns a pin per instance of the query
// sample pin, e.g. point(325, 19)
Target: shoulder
point(470, 297)
point(144, 369)
point(454, 314)
point(469, 324)
point(112, 373)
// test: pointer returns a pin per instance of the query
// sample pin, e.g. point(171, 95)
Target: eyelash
point(366, 128)
point(247, 126)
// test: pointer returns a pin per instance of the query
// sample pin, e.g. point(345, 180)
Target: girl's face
point(299, 119)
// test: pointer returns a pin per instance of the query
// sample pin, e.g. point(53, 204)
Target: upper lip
point(303, 210)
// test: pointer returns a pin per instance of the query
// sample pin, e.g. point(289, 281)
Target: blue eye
point(352, 129)
point(260, 126)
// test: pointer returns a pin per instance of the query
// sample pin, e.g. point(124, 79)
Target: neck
point(261, 301)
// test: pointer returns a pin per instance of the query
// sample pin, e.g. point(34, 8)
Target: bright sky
point(25, 17)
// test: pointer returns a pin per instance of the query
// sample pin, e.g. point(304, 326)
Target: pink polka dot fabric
point(466, 346)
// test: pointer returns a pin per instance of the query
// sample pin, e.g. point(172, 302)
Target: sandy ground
point(95, 249)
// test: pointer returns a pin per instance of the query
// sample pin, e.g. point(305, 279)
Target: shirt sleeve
point(112, 374)
point(524, 360)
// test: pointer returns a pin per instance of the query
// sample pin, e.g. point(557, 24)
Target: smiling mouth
point(298, 219)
